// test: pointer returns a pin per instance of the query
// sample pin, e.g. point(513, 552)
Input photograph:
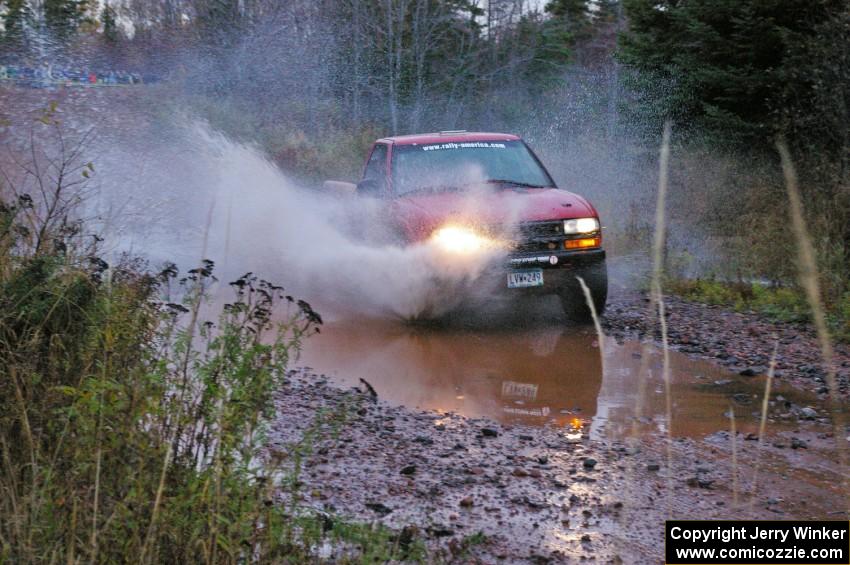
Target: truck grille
point(534, 237)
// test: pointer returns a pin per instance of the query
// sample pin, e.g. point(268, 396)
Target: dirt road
point(525, 445)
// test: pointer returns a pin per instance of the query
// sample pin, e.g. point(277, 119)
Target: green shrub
point(841, 319)
point(787, 304)
point(781, 303)
point(702, 290)
point(133, 428)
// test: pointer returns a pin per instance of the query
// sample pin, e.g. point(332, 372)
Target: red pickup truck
point(553, 236)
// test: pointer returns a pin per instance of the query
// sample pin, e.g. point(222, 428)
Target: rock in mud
point(742, 398)
point(379, 508)
point(440, 531)
point(797, 443)
point(700, 482)
point(535, 503)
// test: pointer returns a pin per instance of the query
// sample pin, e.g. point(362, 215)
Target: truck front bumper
point(556, 260)
point(559, 270)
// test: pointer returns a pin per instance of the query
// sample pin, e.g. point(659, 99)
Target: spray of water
point(242, 211)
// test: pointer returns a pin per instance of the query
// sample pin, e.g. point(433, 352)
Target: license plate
point(525, 279)
point(525, 390)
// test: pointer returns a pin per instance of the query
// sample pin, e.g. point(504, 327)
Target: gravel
point(741, 341)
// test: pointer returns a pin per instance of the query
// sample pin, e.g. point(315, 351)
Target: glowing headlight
point(458, 239)
point(581, 225)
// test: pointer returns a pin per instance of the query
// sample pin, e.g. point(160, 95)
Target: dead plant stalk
point(808, 274)
point(656, 295)
point(765, 401)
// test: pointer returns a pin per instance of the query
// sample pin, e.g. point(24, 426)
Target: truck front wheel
point(573, 300)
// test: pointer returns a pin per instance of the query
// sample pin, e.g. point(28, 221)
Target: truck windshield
point(455, 165)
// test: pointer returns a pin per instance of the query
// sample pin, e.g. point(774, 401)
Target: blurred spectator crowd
point(46, 75)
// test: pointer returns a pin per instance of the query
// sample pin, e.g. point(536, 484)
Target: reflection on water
point(533, 377)
point(546, 375)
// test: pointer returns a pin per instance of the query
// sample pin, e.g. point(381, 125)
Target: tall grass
point(597, 323)
point(765, 402)
point(734, 435)
point(656, 310)
point(809, 280)
point(658, 295)
point(132, 424)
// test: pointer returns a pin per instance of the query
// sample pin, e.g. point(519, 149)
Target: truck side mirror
point(369, 187)
point(339, 188)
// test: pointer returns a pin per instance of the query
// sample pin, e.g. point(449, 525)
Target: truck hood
point(420, 215)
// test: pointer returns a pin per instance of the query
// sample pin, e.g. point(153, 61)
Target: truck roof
point(448, 136)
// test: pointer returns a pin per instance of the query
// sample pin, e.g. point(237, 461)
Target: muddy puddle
point(531, 489)
point(549, 374)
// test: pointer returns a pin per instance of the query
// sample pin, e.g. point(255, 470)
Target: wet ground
point(528, 433)
point(547, 373)
point(522, 441)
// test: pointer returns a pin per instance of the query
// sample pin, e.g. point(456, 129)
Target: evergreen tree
point(584, 28)
point(608, 11)
point(550, 43)
point(63, 17)
point(813, 106)
point(109, 21)
point(16, 21)
point(572, 15)
point(730, 61)
point(220, 21)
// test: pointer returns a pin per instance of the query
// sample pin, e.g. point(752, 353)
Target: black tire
point(573, 300)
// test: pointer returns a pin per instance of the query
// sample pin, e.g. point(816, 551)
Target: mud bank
point(475, 490)
point(739, 341)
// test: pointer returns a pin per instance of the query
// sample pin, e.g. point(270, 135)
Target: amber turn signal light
point(582, 243)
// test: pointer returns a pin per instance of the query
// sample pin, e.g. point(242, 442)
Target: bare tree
point(47, 182)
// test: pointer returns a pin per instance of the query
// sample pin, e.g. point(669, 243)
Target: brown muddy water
point(548, 374)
